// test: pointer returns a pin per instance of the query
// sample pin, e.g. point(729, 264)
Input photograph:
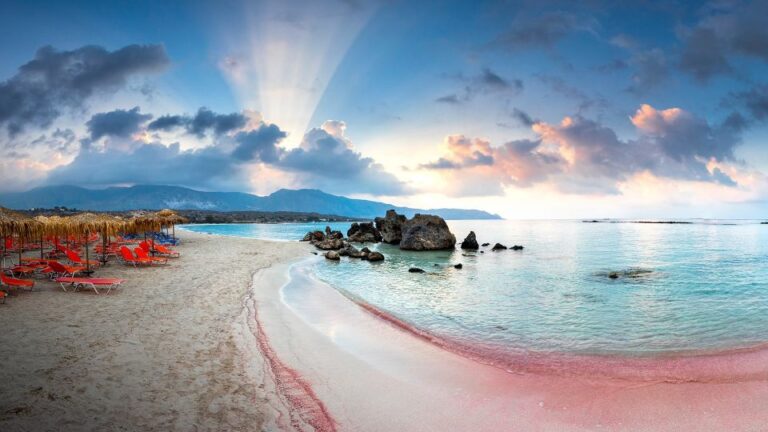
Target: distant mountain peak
point(156, 197)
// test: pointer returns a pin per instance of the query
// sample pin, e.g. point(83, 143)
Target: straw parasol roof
point(52, 225)
point(12, 222)
point(105, 224)
point(156, 221)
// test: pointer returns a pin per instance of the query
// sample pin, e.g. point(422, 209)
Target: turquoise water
point(703, 286)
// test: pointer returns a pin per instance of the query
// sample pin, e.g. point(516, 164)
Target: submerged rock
point(470, 242)
point(374, 256)
point(486, 244)
point(458, 266)
point(427, 232)
point(363, 232)
point(390, 227)
point(498, 247)
point(415, 270)
point(630, 273)
point(332, 255)
point(517, 247)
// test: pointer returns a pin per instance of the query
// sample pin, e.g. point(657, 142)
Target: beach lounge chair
point(22, 270)
point(77, 260)
point(164, 251)
point(91, 283)
point(57, 269)
point(16, 283)
point(143, 255)
point(127, 258)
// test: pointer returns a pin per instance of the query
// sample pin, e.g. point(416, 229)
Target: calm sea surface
point(680, 288)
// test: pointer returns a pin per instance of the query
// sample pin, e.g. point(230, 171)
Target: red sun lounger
point(91, 283)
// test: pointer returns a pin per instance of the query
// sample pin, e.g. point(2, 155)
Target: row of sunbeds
point(74, 275)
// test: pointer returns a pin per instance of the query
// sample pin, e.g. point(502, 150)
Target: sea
point(612, 288)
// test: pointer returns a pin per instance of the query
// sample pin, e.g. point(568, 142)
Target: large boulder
point(363, 232)
point(470, 242)
point(329, 244)
point(332, 255)
point(351, 252)
point(427, 232)
point(374, 256)
point(391, 227)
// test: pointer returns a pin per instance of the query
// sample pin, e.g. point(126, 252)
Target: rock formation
point(426, 232)
point(391, 227)
point(363, 232)
point(470, 242)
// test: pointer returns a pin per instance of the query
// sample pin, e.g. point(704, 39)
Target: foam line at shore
point(725, 366)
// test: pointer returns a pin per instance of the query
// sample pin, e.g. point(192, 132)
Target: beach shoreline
point(243, 336)
point(433, 388)
point(159, 353)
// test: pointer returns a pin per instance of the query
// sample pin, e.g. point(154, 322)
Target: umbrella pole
point(104, 248)
point(21, 248)
point(41, 246)
point(87, 262)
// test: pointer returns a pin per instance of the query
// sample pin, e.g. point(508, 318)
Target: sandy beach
point(239, 335)
point(158, 354)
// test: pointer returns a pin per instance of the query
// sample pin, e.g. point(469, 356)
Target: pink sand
point(355, 368)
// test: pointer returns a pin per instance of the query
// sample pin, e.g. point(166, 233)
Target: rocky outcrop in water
point(458, 266)
point(427, 232)
point(374, 256)
point(517, 247)
point(364, 232)
point(498, 247)
point(329, 244)
point(391, 227)
point(470, 242)
point(415, 270)
point(332, 255)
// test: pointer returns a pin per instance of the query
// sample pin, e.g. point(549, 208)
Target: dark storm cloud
point(328, 160)
point(324, 159)
point(54, 81)
point(168, 122)
point(754, 100)
point(260, 144)
point(726, 29)
point(207, 167)
point(541, 31)
point(117, 123)
point(203, 121)
point(206, 119)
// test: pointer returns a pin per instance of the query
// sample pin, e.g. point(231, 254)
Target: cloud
point(541, 31)
point(59, 80)
point(451, 99)
point(650, 70)
point(150, 163)
point(582, 156)
point(727, 29)
point(755, 100)
point(203, 121)
point(326, 158)
point(259, 144)
point(522, 117)
point(487, 82)
point(206, 119)
point(117, 123)
point(583, 100)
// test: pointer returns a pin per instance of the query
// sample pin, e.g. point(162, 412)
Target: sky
point(539, 109)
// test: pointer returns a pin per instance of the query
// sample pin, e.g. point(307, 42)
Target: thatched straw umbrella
point(87, 223)
point(24, 227)
point(171, 218)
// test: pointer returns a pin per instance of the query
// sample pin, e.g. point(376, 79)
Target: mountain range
point(155, 197)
